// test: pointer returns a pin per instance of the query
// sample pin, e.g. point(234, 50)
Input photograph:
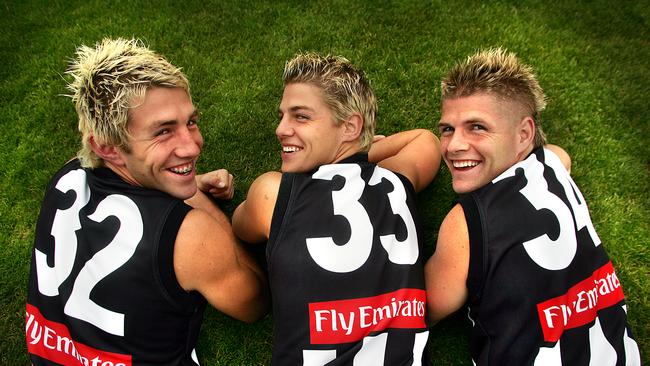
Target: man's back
point(344, 287)
point(544, 293)
point(102, 281)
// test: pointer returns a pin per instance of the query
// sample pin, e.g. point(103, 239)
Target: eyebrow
point(163, 123)
point(297, 108)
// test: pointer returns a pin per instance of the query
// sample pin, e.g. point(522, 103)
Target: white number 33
point(353, 254)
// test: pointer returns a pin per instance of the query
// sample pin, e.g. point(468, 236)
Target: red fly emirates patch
point(344, 321)
point(580, 305)
point(52, 341)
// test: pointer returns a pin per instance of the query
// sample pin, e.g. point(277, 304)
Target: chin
point(184, 194)
point(291, 169)
point(462, 189)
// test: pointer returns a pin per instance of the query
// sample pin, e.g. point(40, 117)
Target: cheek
point(198, 138)
point(444, 143)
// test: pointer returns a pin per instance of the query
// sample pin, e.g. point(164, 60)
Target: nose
point(456, 142)
point(189, 143)
point(284, 128)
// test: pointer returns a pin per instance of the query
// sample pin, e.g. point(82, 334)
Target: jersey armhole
point(476, 247)
point(166, 257)
point(407, 183)
point(281, 204)
point(279, 211)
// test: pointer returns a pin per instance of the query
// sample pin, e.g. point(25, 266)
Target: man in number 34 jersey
point(519, 247)
point(128, 247)
point(344, 244)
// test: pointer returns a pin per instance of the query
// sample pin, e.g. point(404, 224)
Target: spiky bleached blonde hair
point(498, 72)
point(346, 90)
point(109, 79)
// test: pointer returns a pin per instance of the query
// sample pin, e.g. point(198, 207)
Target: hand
point(218, 183)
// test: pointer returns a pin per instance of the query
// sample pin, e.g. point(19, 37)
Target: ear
point(352, 127)
point(108, 153)
point(525, 134)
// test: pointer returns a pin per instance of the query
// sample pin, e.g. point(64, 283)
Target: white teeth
point(290, 149)
point(182, 170)
point(465, 163)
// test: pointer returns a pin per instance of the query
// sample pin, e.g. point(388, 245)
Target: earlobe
point(353, 127)
point(108, 153)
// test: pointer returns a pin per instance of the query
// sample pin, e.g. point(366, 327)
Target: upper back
point(332, 240)
point(534, 271)
point(102, 271)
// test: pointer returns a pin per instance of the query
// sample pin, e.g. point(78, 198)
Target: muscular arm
point(252, 218)
point(209, 259)
point(447, 270)
point(414, 154)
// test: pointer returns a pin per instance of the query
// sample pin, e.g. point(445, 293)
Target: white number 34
point(548, 253)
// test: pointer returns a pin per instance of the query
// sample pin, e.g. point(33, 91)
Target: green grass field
point(591, 58)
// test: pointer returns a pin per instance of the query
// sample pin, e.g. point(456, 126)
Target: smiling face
point(481, 137)
point(164, 144)
point(307, 131)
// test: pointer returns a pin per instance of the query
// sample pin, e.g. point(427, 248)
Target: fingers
point(218, 183)
point(224, 188)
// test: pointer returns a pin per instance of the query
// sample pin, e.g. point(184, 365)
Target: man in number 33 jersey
point(519, 247)
point(128, 246)
point(344, 245)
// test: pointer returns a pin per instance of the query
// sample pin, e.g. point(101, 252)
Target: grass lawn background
point(591, 58)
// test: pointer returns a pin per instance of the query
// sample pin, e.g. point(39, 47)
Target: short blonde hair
point(107, 80)
point(499, 72)
point(345, 88)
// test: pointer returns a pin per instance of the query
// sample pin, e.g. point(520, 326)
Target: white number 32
point(104, 262)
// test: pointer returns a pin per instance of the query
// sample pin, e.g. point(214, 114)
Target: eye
point(162, 132)
point(445, 130)
point(478, 127)
point(301, 117)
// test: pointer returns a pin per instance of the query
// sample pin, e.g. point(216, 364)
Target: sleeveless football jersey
point(102, 288)
point(542, 290)
point(346, 268)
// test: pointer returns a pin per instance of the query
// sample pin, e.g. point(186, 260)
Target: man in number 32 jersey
point(128, 246)
point(344, 247)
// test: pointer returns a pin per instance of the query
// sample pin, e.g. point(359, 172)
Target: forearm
point(391, 146)
point(257, 301)
point(414, 154)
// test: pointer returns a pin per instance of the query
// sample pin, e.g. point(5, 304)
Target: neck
point(123, 173)
point(346, 151)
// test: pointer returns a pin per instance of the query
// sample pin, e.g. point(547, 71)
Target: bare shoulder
point(208, 259)
point(562, 154)
point(203, 245)
point(454, 223)
point(252, 219)
point(453, 237)
point(447, 270)
point(265, 186)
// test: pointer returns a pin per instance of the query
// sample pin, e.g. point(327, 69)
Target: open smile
point(290, 149)
point(184, 169)
point(465, 164)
